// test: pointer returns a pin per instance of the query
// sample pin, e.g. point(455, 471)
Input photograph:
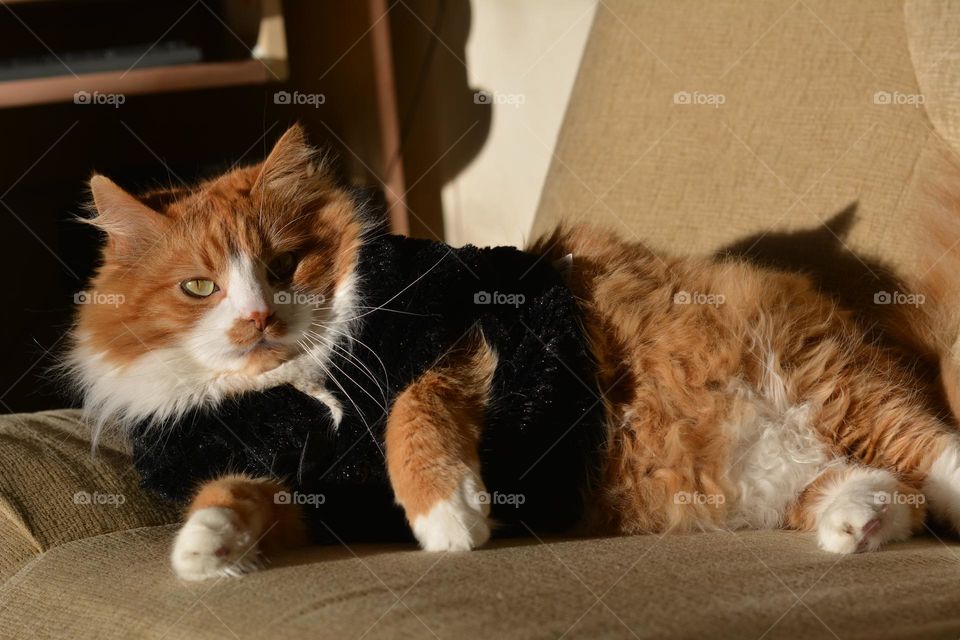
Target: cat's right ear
point(128, 223)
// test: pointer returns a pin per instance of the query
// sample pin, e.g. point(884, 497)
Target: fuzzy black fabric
point(542, 431)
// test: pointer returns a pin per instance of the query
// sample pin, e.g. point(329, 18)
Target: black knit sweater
point(542, 430)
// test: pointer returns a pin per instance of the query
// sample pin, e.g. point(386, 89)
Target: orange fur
point(666, 368)
point(434, 426)
point(254, 501)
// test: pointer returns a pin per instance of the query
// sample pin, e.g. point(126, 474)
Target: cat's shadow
point(854, 280)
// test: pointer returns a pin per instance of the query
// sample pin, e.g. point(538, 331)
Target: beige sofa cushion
point(53, 490)
point(718, 585)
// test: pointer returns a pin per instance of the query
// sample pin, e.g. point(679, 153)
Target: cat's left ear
point(128, 223)
point(289, 163)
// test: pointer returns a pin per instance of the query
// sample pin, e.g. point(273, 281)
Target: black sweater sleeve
point(267, 434)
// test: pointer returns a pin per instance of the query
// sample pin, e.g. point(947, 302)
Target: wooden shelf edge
point(204, 75)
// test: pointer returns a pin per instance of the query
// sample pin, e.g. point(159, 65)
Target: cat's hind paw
point(863, 515)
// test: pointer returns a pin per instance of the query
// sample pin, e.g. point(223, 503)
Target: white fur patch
point(774, 454)
point(859, 512)
point(458, 523)
point(942, 486)
point(212, 543)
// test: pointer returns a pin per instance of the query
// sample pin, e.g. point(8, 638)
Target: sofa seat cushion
point(717, 585)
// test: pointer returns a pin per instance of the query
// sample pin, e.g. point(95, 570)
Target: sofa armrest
point(54, 490)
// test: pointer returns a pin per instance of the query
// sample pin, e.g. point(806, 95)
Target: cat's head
point(200, 290)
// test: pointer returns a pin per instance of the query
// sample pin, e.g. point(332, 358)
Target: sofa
point(799, 133)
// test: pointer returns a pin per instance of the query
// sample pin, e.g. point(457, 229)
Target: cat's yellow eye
point(199, 287)
point(282, 266)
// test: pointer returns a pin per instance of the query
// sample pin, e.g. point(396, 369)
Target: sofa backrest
point(789, 130)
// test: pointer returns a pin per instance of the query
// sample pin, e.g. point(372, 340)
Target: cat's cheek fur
point(115, 392)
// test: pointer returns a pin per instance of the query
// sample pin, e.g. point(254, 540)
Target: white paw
point(212, 543)
point(862, 518)
point(458, 523)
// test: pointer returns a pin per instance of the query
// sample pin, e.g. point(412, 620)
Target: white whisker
point(354, 360)
point(347, 395)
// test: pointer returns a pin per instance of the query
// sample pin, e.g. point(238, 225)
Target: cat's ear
point(128, 223)
point(291, 160)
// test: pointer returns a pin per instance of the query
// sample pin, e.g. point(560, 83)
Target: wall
point(526, 54)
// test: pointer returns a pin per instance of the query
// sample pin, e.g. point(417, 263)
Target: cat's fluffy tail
point(937, 327)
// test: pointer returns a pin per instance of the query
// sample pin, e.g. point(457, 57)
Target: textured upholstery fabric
point(717, 585)
point(695, 125)
point(799, 137)
point(53, 490)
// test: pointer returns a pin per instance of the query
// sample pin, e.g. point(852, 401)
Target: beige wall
point(526, 54)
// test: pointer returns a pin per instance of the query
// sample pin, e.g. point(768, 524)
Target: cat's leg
point(854, 508)
point(872, 417)
point(431, 445)
point(230, 520)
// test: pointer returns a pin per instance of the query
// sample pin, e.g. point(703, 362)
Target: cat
point(733, 396)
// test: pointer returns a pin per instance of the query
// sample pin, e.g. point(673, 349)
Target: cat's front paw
point(213, 543)
point(863, 521)
point(458, 523)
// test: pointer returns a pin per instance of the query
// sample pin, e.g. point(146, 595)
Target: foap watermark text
point(495, 97)
point(300, 298)
point(498, 298)
point(899, 297)
point(96, 97)
point(98, 297)
point(97, 498)
point(298, 98)
point(297, 497)
point(696, 297)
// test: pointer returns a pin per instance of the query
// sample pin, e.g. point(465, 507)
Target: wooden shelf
point(205, 75)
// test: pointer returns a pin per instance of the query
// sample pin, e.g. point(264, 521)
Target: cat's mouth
point(265, 354)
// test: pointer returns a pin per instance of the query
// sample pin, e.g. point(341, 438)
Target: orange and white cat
point(735, 397)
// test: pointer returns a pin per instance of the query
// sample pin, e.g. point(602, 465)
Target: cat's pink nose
point(260, 318)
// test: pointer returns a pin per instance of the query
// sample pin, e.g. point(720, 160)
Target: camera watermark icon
point(914, 100)
point(898, 297)
point(298, 498)
point(95, 97)
point(714, 100)
point(97, 498)
point(896, 497)
point(695, 297)
point(96, 297)
point(300, 298)
point(298, 98)
point(496, 498)
point(497, 298)
point(495, 97)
